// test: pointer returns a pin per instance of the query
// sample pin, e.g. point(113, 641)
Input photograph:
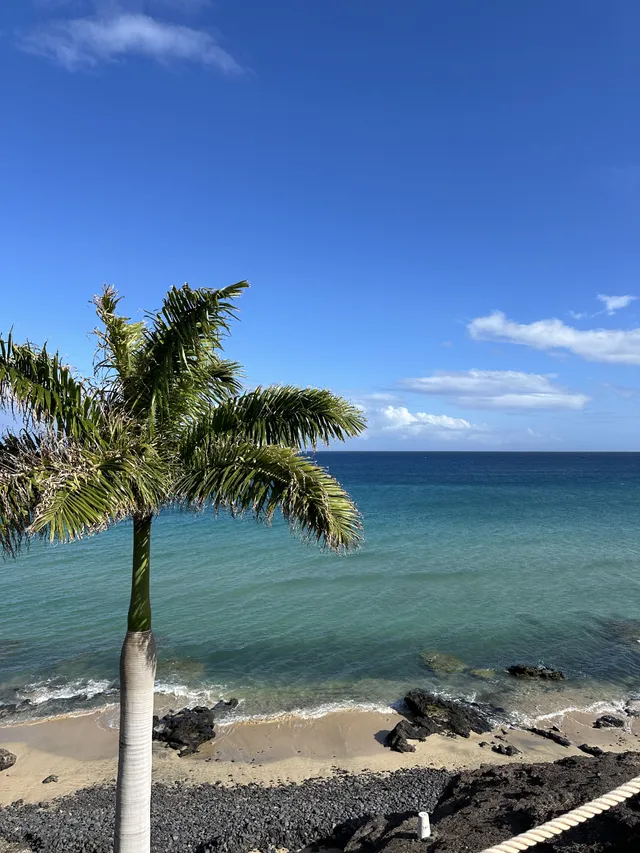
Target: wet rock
point(632, 709)
point(551, 735)
point(442, 663)
point(7, 759)
point(591, 750)
point(505, 749)
point(608, 721)
point(442, 716)
point(397, 739)
point(189, 728)
point(49, 779)
point(521, 670)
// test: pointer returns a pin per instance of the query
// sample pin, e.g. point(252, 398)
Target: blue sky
point(437, 201)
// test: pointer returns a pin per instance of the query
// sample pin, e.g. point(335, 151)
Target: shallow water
point(493, 558)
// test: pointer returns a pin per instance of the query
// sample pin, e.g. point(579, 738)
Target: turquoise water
point(494, 558)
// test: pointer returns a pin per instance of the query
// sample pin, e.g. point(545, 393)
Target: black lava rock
point(485, 807)
point(7, 759)
point(404, 731)
point(607, 721)
point(535, 672)
point(216, 819)
point(436, 715)
point(591, 750)
point(551, 735)
point(503, 749)
point(49, 779)
point(188, 729)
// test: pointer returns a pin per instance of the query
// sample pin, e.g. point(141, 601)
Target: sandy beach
point(82, 750)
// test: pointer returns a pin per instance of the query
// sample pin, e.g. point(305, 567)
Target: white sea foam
point(600, 707)
point(48, 691)
point(311, 713)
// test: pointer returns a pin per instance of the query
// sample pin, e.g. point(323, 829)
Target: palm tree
point(162, 423)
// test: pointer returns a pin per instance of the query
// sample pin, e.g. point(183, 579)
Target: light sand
point(82, 751)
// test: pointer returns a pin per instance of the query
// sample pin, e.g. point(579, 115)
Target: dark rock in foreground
point(188, 729)
point(215, 819)
point(7, 759)
point(544, 672)
point(436, 715)
point(608, 721)
point(49, 779)
point(485, 807)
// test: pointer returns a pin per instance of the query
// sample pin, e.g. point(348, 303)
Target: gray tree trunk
point(133, 797)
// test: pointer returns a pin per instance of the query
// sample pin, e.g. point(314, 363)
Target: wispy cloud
point(497, 389)
point(608, 345)
point(85, 42)
point(615, 303)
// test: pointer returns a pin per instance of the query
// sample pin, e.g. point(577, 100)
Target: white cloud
point(497, 389)
point(399, 417)
point(399, 422)
point(85, 42)
point(609, 345)
point(615, 303)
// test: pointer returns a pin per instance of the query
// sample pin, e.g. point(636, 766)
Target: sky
point(437, 202)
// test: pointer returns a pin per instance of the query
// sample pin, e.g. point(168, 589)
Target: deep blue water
point(494, 558)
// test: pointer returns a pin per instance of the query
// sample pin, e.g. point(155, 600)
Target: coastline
point(82, 750)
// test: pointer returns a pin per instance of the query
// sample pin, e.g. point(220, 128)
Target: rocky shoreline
point(365, 813)
point(363, 808)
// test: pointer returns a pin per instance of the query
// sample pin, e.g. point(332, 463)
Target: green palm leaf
point(242, 477)
point(281, 415)
point(38, 387)
point(187, 330)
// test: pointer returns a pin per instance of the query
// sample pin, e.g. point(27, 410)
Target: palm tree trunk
point(137, 676)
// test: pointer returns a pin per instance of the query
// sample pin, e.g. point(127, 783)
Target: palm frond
point(18, 489)
point(37, 386)
point(242, 477)
point(188, 328)
point(196, 393)
point(281, 415)
point(118, 344)
point(60, 489)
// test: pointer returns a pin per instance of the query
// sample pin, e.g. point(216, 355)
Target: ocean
point(494, 558)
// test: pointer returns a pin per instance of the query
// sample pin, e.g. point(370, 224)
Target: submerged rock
point(544, 672)
point(444, 716)
point(608, 721)
point(487, 674)
point(625, 631)
point(189, 728)
point(442, 663)
point(7, 759)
